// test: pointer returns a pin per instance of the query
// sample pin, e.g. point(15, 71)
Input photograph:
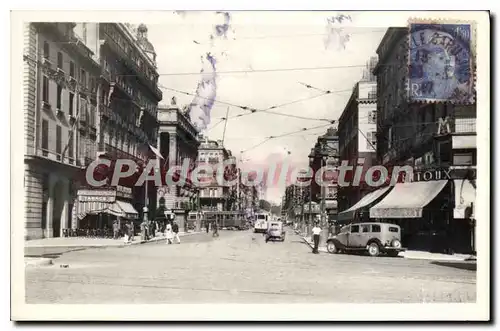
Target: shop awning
point(365, 201)
point(465, 196)
point(117, 208)
point(407, 200)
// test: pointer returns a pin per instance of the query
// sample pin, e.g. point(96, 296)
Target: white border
point(478, 311)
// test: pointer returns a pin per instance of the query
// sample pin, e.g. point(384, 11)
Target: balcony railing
point(464, 125)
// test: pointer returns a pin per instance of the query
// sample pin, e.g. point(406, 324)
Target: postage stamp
point(441, 62)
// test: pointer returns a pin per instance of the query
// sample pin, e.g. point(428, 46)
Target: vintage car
point(275, 231)
point(375, 238)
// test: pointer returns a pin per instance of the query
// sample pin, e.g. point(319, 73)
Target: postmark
point(441, 62)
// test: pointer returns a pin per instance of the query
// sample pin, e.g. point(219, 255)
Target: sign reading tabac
point(441, 57)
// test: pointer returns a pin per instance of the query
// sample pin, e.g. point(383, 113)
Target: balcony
point(110, 34)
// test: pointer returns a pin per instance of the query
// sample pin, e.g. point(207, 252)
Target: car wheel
point(396, 243)
point(373, 249)
point(331, 248)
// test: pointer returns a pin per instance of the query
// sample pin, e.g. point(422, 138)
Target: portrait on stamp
point(440, 63)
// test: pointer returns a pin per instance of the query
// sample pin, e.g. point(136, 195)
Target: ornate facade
point(90, 91)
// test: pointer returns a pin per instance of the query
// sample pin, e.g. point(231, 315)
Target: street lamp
point(312, 157)
point(324, 159)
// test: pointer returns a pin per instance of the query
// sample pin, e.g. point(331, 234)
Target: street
point(239, 267)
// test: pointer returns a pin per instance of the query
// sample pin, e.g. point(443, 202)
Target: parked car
point(375, 238)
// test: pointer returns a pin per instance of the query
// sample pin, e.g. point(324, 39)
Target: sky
point(270, 41)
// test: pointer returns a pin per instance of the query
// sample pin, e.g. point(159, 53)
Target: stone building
point(177, 141)
point(213, 196)
point(358, 139)
point(437, 139)
point(61, 79)
point(90, 91)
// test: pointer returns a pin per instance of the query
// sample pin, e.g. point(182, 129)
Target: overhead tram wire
point(283, 135)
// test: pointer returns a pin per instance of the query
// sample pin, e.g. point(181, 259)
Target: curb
point(321, 249)
point(450, 259)
point(37, 262)
point(122, 244)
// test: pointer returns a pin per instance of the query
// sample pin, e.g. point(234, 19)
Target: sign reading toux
point(429, 175)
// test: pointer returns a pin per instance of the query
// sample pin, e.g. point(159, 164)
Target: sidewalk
point(93, 242)
point(416, 255)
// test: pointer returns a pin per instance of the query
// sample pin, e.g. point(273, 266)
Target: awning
point(90, 207)
point(365, 201)
point(465, 196)
point(128, 209)
point(407, 200)
point(157, 152)
point(117, 208)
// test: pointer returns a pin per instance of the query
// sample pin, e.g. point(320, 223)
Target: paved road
point(239, 267)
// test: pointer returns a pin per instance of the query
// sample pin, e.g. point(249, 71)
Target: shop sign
point(430, 175)
point(96, 195)
point(124, 192)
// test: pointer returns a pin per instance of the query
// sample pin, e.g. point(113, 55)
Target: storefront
point(434, 211)
point(97, 209)
point(359, 211)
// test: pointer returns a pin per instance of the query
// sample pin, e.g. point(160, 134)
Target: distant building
point(358, 138)
point(213, 196)
point(325, 153)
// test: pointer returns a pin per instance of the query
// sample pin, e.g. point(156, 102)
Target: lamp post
point(312, 156)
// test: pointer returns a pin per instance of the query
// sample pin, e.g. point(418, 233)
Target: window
point(371, 140)
point(45, 89)
point(393, 229)
point(72, 69)
point(46, 50)
point(45, 137)
point(83, 78)
point(59, 60)
point(354, 228)
point(71, 101)
point(375, 228)
point(365, 228)
point(59, 97)
point(463, 159)
point(70, 144)
point(372, 117)
point(58, 142)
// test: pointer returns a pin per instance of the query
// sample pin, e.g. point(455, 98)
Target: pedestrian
point(316, 231)
point(130, 230)
point(207, 226)
point(126, 236)
point(143, 230)
point(169, 234)
point(175, 230)
point(115, 229)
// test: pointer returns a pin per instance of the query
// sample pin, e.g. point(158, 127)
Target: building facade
point(438, 140)
point(325, 153)
point(358, 138)
point(90, 91)
point(60, 103)
point(178, 143)
point(213, 196)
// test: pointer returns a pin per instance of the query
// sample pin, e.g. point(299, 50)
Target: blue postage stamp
point(441, 58)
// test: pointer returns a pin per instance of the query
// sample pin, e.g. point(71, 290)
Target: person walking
point(115, 229)
point(316, 231)
point(169, 234)
point(175, 230)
